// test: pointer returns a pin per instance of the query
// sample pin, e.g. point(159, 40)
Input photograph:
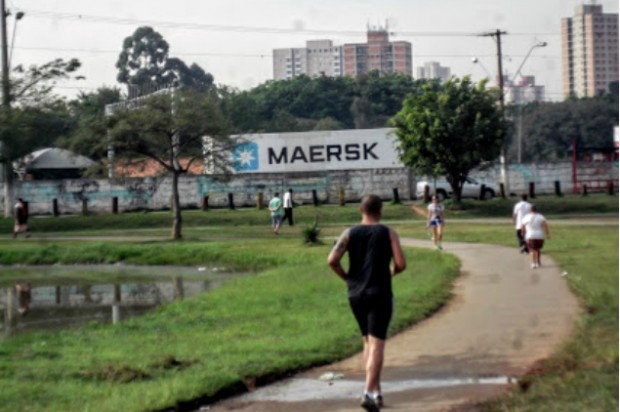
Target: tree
point(169, 128)
point(549, 128)
point(144, 65)
point(88, 112)
point(37, 117)
point(449, 129)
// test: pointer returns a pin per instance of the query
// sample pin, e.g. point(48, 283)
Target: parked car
point(471, 189)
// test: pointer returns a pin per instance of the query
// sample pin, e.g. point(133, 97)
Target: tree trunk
point(176, 208)
point(7, 188)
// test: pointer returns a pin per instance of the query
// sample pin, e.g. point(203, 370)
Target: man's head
point(371, 205)
point(276, 194)
point(524, 197)
point(534, 209)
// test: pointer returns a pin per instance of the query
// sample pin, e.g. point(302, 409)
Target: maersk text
point(323, 153)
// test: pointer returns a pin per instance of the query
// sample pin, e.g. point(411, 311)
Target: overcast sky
point(234, 39)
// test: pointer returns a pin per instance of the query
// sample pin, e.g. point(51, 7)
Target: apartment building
point(589, 51)
point(524, 91)
point(322, 57)
point(319, 57)
point(378, 53)
point(433, 70)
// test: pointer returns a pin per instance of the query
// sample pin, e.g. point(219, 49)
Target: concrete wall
point(154, 193)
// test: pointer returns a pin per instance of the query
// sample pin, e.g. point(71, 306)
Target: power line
point(242, 28)
point(264, 55)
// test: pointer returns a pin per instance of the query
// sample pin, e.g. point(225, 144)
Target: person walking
point(288, 206)
point(21, 218)
point(535, 230)
point(434, 220)
point(375, 256)
point(275, 206)
point(519, 211)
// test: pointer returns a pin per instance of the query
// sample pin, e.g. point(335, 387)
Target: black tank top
point(370, 253)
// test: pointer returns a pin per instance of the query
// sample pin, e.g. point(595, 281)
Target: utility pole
point(6, 107)
point(497, 35)
point(6, 98)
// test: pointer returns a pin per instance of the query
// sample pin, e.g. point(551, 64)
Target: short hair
point(524, 197)
point(276, 194)
point(371, 205)
point(533, 208)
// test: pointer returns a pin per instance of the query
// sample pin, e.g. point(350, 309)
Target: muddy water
point(58, 297)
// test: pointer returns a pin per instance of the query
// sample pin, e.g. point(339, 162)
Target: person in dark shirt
point(375, 256)
point(21, 218)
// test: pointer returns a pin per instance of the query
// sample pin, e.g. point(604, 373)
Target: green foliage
point(549, 128)
point(38, 117)
point(449, 129)
point(311, 233)
point(305, 103)
point(144, 63)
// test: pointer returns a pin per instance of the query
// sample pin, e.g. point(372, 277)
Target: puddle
point(59, 297)
point(303, 389)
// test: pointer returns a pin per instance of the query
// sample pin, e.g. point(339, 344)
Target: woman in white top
point(535, 231)
point(434, 220)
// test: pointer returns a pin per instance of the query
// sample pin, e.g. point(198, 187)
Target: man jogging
point(519, 211)
point(371, 247)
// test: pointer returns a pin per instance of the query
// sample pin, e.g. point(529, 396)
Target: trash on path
point(331, 376)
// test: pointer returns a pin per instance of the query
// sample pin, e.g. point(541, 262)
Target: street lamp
point(476, 60)
point(539, 44)
point(18, 16)
point(520, 100)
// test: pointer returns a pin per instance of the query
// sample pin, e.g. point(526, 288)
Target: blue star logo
point(245, 157)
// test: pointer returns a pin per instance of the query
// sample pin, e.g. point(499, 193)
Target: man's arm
point(546, 228)
point(338, 251)
point(397, 253)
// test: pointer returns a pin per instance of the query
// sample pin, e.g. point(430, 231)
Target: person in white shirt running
point(519, 211)
point(535, 230)
point(434, 220)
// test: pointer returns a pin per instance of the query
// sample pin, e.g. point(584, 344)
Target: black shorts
point(373, 314)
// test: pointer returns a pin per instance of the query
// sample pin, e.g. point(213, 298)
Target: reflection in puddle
point(55, 297)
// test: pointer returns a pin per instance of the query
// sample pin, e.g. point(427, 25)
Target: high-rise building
point(321, 57)
point(433, 70)
point(378, 53)
point(589, 51)
point(524, 91)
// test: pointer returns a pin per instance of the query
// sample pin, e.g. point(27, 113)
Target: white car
point(471, 189)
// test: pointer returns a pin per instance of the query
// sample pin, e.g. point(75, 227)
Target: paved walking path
point(503, 318)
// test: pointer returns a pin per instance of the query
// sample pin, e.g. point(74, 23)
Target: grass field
point(220, 340)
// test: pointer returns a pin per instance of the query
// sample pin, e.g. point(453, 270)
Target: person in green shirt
point(275, 206)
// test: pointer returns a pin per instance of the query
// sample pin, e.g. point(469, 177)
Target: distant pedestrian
point(519, 211)
point(21, 218)
point(288, 206)
point(375, 256)
point(275, 206)
point(535, 230)
point(24, 297)
point(435, 220)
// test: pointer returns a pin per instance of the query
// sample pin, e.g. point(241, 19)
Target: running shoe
point(379, 401)
point(369, 404)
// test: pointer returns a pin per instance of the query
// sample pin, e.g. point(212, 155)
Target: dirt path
point(504, 317)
